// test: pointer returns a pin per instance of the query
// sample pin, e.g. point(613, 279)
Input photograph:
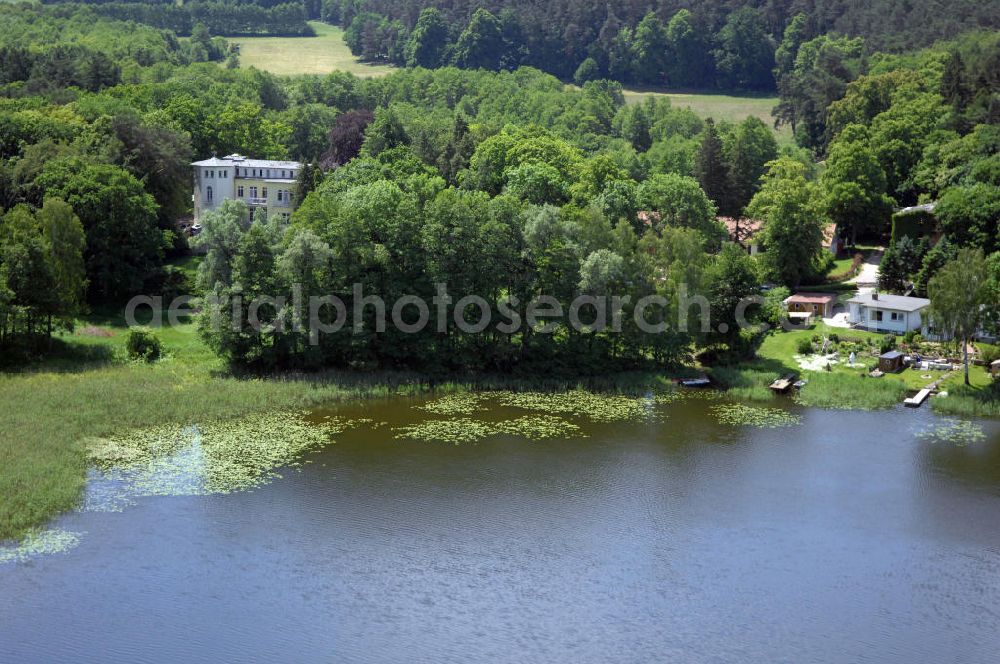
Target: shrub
point(834, 338)
point(804, 347)
point(909, 337)
point(988, 353)
point(850, 272)
point(142, 344)
point(888, 343)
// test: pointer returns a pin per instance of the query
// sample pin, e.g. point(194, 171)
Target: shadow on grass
point(58, 355)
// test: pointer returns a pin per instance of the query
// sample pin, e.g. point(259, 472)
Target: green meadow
point(720, 107)
point(289, 56)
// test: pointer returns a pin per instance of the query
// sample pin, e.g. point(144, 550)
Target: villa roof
point(240, 160)
point(896, 302)
point(925, 207)
point(741, 229)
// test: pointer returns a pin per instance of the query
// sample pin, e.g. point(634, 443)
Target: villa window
point(208, 194)
point(206, 172)
point(878, 316)
point(239, 191)
point(279, 195)
point(263, 192)
point(253, 192)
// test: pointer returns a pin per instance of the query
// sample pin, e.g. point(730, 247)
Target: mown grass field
point(720, 107)
point(322, 54)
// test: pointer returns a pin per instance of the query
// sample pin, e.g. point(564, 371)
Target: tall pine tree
point(711, 170)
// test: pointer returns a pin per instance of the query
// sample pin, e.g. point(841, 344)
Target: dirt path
point(868, 275)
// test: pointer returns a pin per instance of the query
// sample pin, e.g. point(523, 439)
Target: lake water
point(845, 538)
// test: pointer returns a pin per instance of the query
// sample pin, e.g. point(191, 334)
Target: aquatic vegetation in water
point(539, 427)
point(38, 543)
point(468, 430)
point(687, 394)
point(956, 432)
point(459, 430)
point(602, 408)
point(217, 457)
point(455, 404)
point(742, 415)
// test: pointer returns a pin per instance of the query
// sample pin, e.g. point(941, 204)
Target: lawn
point(721, 107)
point(322, 54)
point(779, 348)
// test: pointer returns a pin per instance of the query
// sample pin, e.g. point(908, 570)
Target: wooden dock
point(783, 384)
point(918, 399)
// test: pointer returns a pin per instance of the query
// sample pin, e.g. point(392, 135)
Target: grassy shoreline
point(88, 390)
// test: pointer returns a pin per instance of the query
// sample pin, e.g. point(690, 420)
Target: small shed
point(816, 304)
point(890, 362)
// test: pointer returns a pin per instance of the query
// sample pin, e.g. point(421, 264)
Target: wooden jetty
point(783, 384)
point(918, 399)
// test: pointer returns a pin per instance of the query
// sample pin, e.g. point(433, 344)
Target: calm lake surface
point(843, 539)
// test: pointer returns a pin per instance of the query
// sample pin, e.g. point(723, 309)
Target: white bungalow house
point(888, 313)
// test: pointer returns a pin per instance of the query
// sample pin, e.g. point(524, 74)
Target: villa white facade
point(263, 184)
point(888, 313)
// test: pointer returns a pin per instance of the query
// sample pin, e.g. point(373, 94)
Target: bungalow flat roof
point(896, 302)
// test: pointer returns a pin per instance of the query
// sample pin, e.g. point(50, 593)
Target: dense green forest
point(728, 44)
point(502, 184)
point(718, 44)
point(221, 17)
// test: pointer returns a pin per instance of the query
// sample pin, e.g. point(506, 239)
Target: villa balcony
point(256, 201)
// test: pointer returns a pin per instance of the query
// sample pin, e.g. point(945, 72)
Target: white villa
point(263, 184)
point(888, 313)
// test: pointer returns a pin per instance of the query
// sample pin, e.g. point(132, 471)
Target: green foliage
point(712, 170)
point(789, 206)
point(804, 346)
point(822, 69)
point(748, 148)
point(678, 201)
point(959, 294)
point(141, 344)
point(480, 46)
point(887, 343)
point(970, 216)
point(588, 70)
point(745, 54)
point(428, 42)
point(855, 186)
point(902, 259)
